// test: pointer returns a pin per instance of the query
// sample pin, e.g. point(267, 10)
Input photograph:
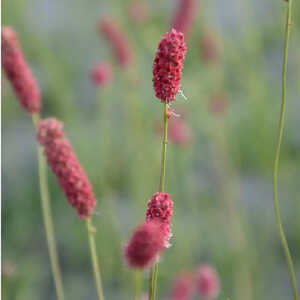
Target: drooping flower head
point(183, 287)
point(184, 15)
point(101, 74)
point(119, 42)
point(207, 282)
point(66, 167)
point(18, 72)
point(160, 209)
point(168, 64)
point(144, 245)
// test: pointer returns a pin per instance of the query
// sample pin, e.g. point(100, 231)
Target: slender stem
point(137, 284)
point(277, 153)
point(96, 267)
point(154, 270)
point(47, 216)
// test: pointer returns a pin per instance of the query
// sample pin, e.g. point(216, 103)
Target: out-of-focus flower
point(8, 269)
point(183, 287)
point(168, 64)
point(144, 245)
point(184, 15)
point(101, 74)
point(218, 104)
point(160, 209)
point(179, 132)
point(66, 167)
point(210, 47)
point(138, 11)
point(207, 282)
point(18, 72)
point(119, 42)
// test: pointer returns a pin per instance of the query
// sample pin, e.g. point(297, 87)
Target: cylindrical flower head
point(119, 42)
point(160, 209)
point(184, 15)
point(101, 74)
point(168, 64)
point(183, 287)
point(207, 282)
point(144, 246)
point(18, 72)
point(66, 167)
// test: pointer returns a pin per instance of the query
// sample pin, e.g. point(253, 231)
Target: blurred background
point(220, 152)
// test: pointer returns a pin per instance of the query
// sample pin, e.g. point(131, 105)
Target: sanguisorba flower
point(18, 72)
point(144, 245)
point(66, 167)
point(160, 209)
point(168, 64)
point(207, 282)
point(183, 287)
point(184, 15)
point(101, 74)
point(120, 44)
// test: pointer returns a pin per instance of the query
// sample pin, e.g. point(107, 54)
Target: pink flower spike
point(144, 246)
point(18, 72)
point(183, 287)
point(167, 66)
point(101, 74)
point(184, 15)
point(160, 209)
point(119, 42)
point(207, 282)
point(66, 167)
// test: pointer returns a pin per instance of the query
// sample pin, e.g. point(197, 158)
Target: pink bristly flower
point(184, 15)
point(168, 64)
point(137, 11)
point(66, 167)
point(183, 287)
point(179, 132)
point(119, 42)
point(207, 282)
point(18, 72)
point(101, 74)
point(160, 209)
point(144, 246)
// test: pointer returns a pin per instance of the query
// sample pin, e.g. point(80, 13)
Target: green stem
point(277, 153)
point(46, 210)
point(154, 270)
point(95, 263)
point(137, 284)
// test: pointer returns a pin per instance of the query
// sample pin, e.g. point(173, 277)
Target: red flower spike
point(207, 282)
point(160, 209)
point(101, 74)
point(144, 245)
point(66, 167)
point(184, 15)
point(18, 72)
point(119, 42)
point(167, 66)
point(183, 287)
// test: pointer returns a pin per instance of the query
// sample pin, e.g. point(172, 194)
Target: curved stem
point(47, 216)
point(95, 263)
point(154, 270)
point(277, 153)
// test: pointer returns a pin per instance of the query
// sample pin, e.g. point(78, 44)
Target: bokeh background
point(219, 173)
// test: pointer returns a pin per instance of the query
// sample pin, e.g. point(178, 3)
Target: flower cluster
point(66, 167)
point(168, 64)
point(18, 72)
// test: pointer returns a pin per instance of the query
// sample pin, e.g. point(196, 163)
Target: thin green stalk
point(95, 263)
point(137, 284)
point(277, 153)
point(154, 270)
point(46, 210)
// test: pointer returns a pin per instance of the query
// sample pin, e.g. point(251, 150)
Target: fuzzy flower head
point(183, 287)
point(144, 245)
point(168, 64)
point(119, 42)
point(207, 282)
point(101, 74)
point(18, 72)
point(160, 209)
point(66, 167)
